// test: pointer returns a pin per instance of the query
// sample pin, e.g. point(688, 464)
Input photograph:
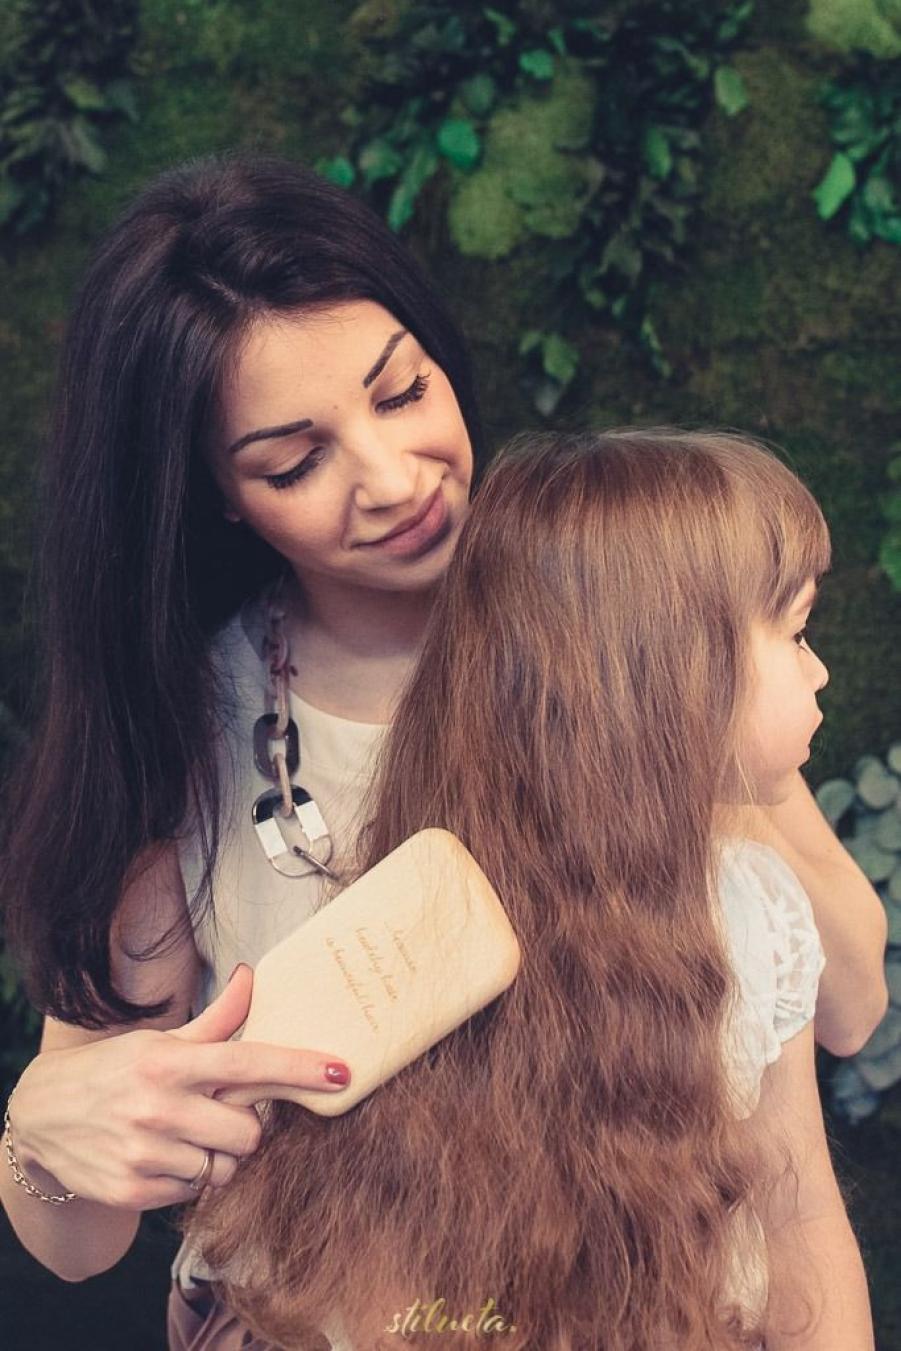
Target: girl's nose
point(822, 673)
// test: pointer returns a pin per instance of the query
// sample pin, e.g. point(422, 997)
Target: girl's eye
point(411, 395)
point(294, 475)
point(801, 637)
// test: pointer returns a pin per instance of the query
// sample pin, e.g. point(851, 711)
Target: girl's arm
point(814, 1260)
point(850, 916)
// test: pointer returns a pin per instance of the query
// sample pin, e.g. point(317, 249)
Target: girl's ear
point(231, 516)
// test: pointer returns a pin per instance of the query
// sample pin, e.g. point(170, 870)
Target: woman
point(233, 300)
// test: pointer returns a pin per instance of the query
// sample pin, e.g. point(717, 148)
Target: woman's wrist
point(27, 1172)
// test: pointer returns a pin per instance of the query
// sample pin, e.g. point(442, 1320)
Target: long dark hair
point(136, 567)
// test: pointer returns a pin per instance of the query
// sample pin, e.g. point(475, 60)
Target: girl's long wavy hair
point(136, 566)
point(573, 1151)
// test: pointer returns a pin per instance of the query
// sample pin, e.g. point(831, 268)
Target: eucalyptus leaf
point(894, 894)
point(834, 797)
point(893, 758)
point(888, 832)
point(835, 187)
point(878, 864)
point(851, 1097)
point(729, 90)
point(876, 786)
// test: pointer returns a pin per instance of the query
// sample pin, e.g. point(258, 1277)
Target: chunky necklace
point(289, 825)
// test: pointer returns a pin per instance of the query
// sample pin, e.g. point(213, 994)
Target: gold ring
point(198, 1183)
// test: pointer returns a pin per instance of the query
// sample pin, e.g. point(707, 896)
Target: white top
point(768, 921)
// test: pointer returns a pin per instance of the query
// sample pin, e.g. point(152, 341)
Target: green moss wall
point(778, 324)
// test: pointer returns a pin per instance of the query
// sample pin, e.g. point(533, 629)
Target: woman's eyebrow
point(267, 433)
point(303, 424)
point(384, 358)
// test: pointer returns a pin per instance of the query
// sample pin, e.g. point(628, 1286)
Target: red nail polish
point(337, 1074)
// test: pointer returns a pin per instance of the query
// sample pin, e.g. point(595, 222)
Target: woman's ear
point(231, 515)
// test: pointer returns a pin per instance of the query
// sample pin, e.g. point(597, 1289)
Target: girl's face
point(782, 714)
point(342, 445)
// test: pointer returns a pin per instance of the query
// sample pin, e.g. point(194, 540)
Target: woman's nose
point(384, 475)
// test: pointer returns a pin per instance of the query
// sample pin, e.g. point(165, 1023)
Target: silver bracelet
point(18, 1175)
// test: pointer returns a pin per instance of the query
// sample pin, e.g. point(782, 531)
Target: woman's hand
point(126, 1120)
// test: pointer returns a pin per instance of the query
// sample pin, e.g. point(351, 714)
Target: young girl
point(626, 1148)
point(257, 382)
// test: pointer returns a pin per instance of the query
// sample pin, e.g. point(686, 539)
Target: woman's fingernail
point(234, 973)
point(337, 1074)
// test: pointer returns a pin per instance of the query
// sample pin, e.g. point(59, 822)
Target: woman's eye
point(298, 472)
point(411, 395)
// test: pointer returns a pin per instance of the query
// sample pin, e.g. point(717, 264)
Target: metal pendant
point(295, 845)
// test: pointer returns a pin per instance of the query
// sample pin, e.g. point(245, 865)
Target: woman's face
point(342, 445)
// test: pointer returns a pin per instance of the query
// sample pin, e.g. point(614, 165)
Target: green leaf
point(531, 339)
point(120, 94)
point(504, 25)
point(83, 145)
point(459, 142)
point(891, 507)
point(83, 94)
point(560, 359)
point(338, 170)
point(557, 40)
point(538, 63)
point(417, 173)
point(729, 90)
point(657, 154)
point(653, 347)
point(835, 187)
point(732, 25)
point(547, 394)
point(479, 94)
point(890, 556)
point(377, 160)
point(889, 229)
point(11, 195)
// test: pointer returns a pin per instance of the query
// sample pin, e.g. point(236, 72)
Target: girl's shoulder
point(775, 948)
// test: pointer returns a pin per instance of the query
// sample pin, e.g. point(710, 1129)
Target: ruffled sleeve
point(777, 956)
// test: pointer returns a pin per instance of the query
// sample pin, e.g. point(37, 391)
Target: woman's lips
point(417, 539)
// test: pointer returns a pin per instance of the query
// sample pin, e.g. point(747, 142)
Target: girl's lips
point(418, 539)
